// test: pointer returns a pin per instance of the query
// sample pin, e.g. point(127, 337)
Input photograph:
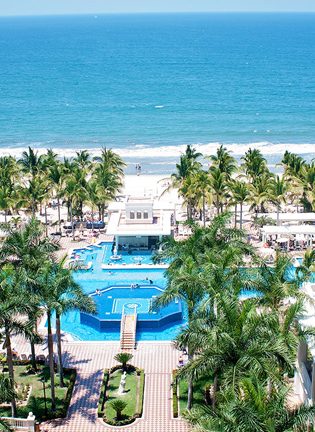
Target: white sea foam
point(172, 151)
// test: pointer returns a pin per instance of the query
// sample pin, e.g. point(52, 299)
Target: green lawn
point(130, 396)
point(198, 395)
point(36, 401)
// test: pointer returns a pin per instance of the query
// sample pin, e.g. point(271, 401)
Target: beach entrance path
point(158, 359)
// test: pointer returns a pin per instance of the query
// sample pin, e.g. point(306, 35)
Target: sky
point(49, 7)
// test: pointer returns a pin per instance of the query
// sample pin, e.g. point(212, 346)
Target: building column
point(313, 383)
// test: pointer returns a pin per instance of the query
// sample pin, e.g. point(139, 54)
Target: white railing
point(20, 424)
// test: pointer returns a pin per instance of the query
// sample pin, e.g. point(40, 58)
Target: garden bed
point(36, 401)
point(133, 396)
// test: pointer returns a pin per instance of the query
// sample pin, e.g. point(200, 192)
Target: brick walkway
point(157, 359)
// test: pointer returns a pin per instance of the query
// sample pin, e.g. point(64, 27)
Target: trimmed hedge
point(174, 393)
point(103, 396)
point(102, 399)
point(141, 394)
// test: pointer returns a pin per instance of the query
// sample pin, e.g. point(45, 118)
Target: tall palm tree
point(224, 162)
point(279, 193)
point(219, 187)
point(14, 301)
point(188, 284)
point(65, 295)
point(240, 195)
point(260, 191)
point(111, 161)
point(254, 164)
point(28, 249)
point(56, 178)
point(31, 163)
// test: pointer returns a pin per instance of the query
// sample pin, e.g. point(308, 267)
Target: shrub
point(123, 358)
point(118, 405)
point(141, 394)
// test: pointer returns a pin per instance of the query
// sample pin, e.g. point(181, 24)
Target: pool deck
point(158, 359)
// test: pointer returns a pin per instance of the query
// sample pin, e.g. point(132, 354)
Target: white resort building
point(139, 223)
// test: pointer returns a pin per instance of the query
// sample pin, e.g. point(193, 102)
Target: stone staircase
point(128, 332)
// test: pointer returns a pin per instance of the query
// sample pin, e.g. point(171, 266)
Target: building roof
point(290, 217)
point(288, 230)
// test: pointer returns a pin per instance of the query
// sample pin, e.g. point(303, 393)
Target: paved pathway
point(157, 359)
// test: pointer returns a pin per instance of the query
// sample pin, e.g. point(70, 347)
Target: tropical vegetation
point(242, 333)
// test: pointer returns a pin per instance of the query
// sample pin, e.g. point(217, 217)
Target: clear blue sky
point(44, 7)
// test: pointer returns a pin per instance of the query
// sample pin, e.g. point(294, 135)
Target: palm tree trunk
point(33, 354)
point(235, 215)
point(46, 224)
point(5, 216)
point(215, 389)
point(190, 392)
point(10, 367)
point(59, 217)
point(51, 361)
point(241, 216)
point(204, 209)
point(71, 220)
point(278, 215)
point(60, 365)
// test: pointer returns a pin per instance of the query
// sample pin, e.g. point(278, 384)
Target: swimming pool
point(116, 287)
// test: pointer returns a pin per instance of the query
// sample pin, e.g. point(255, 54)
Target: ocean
point(147, 85)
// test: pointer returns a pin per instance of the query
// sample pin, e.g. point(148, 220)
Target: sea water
point(147, 85)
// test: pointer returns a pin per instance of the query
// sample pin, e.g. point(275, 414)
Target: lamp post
point(44, 389)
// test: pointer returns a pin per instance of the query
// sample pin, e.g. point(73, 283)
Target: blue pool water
point(103, 255)
point(116, 293)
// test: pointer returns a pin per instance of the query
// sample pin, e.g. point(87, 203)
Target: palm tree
point(82, 160)
point(5, 200)
point(240, 194)
point(118, 406)
point(123, 358)
point(276, 285)
point(201, 192)
point(219, 187)
point(56, 178)
point(111, 161)
point(64, 295)
point(188, 284)
point(75, 192)
point(252, 408)
point(14, 301)
point(28, 249)
point(225, 163)
point(254, 165)
point(260, 190)
point(31, 163)
point(278, 193)
point(236, 341)
point(188, 166)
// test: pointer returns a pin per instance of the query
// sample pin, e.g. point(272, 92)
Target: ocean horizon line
point(98, 14)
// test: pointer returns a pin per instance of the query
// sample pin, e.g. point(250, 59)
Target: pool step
point(128, 332)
